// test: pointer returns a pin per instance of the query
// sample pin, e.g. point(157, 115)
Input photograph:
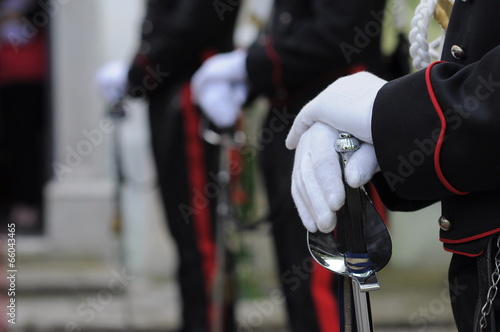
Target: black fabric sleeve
point(177, 33)
point(459, 102)
point(322, 36)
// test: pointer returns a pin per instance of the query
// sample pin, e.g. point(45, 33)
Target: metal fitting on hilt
point(346, 145)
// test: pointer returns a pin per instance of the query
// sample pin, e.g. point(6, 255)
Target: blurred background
point(95, 254)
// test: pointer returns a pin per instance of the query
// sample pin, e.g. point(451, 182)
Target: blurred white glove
point(345, 105)
point(220, 88)
point(111, 81)
point(11, 32)
point(317, 186)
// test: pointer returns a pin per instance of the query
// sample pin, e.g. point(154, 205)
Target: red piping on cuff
point(357, 68)
point(462, 253)
point(439, 143)
point(471, 238)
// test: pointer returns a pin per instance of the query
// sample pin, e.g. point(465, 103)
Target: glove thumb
point(361, 167)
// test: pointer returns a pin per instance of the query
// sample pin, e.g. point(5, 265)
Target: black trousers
point(470, 279)
point(310, 290)
point(186, 166)
point(183, 162)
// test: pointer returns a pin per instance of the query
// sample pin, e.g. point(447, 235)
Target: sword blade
point(362, 307)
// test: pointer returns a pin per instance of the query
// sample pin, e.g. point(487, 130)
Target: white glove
point(11, 32)
point(111, 81)
point(317, 186)
point(220, 88)
point(345, 105)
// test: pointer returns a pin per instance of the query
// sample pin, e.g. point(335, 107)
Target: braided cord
point(419, 49)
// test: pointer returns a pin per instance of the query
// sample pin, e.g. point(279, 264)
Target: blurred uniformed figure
point(177, 36)
point(306, 45)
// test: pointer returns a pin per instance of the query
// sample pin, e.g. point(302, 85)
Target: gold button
point(444, 223)
point(457, 52)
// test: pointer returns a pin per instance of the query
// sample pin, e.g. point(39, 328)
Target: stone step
point(88, 295)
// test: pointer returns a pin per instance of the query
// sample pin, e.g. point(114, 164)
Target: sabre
point(224, 288)
point(359, 247)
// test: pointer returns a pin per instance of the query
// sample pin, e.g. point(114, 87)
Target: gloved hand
point(220, 88)
point(111, 81)
point(345, 105)
point(317, 186)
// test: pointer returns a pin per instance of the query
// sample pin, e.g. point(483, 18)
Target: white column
point(80, 197)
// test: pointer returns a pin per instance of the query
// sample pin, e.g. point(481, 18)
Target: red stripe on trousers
point(324, 300)
point(197, 178)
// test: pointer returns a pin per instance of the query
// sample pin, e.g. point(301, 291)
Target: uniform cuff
point(406, 130)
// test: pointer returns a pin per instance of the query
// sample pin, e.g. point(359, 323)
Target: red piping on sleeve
point(357, 68)
point(275, 58)
point(470, 238)
point(439, 144)
point(462, 253)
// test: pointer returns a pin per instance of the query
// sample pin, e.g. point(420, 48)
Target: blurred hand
point(219, 87)
point(11, 32)
point(317, 185)
point(111, 81)
point(345, 105)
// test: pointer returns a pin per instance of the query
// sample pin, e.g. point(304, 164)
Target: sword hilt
point(356, 257)
point(346, 145)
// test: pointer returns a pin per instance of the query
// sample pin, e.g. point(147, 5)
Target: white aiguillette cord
point(423, 52)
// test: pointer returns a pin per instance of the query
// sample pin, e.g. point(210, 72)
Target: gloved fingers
point(111, 81)
point(326, 164)
point(311, 204)
point(308, 220)
point(317, 179)
point(219, 105)
point(228, 67)
point(361, 166)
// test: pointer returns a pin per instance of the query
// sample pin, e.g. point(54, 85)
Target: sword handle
point(356, 257)
point(346, 145)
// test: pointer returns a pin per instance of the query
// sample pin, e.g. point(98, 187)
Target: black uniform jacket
point(177, 36)
point(437, 131)
point(308, 43)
